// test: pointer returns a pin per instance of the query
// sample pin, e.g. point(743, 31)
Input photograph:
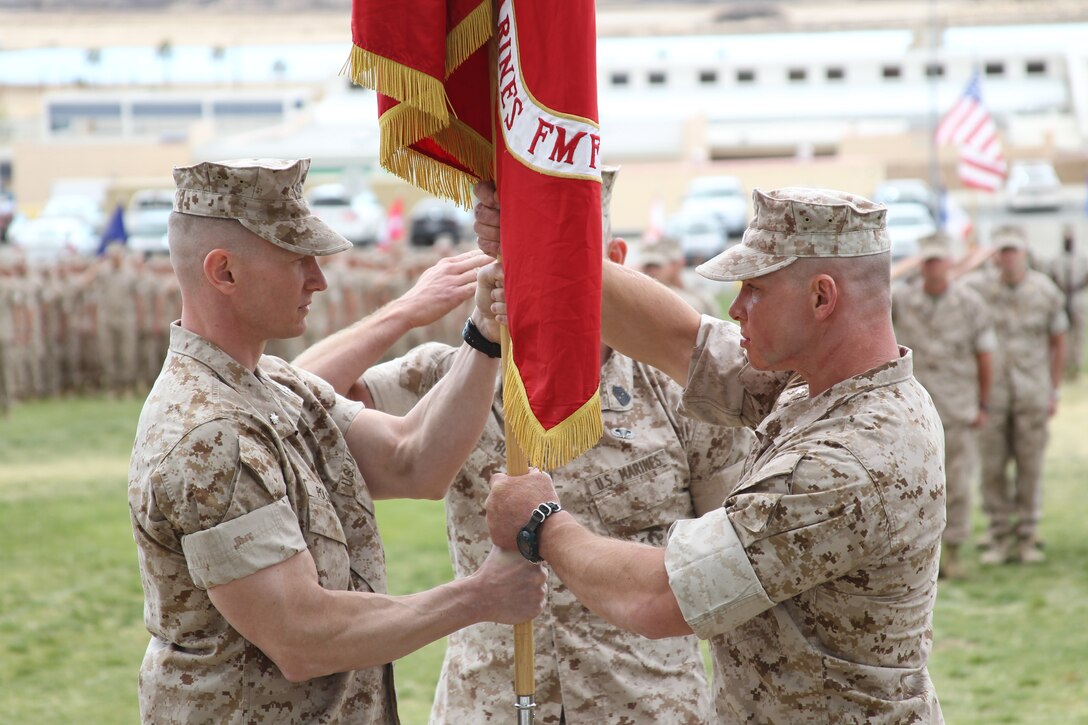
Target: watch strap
point(476, 340)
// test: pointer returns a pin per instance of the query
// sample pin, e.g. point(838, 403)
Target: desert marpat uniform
point(816, 580)
point(1070, 272)
point(1025, 317)
point(651, 468)
point(115, 298)
point(946, 333)
point(233, 472)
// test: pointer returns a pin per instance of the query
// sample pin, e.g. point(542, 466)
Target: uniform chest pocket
point(644, 497)
point(754, 501)
point(325, 538)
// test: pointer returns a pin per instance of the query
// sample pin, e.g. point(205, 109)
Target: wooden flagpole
point(524, 681)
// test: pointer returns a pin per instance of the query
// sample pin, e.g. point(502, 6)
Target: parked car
point(908, 221)
point(75, 206)
point(431, 219)
point(146, 219)
point(722, 196)
point(895, 191)
point(335, 205)
point(700, 233)
point(1032, 185)
point(48, 238)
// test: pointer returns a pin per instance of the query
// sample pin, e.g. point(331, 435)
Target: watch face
point(527, 544)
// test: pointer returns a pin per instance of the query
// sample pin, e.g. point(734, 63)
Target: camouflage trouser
point(960, 468)
point(1013, 503)
point(7, 379)
point(1074, 345)
point(117, 355)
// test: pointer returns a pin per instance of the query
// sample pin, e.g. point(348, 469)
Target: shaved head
point(192, 237)
point(864, 281)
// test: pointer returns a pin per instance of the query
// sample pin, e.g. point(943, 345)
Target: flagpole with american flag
point(455, 109)
point(969, 127)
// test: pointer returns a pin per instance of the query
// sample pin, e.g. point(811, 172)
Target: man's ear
point(825, 296)
point(616, 250)
point(219, 270)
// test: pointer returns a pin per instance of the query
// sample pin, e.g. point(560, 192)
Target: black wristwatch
point(475, 339)
point(529, 536)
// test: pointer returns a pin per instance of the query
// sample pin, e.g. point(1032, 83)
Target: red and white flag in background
point(969, 127)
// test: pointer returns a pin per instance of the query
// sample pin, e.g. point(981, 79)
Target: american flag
point(969, 127)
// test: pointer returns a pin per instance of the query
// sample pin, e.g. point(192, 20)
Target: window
point(796, 75)
point(892, 72)
point(1035, 68)
point(656, 78)
point(708, 77)
point(619, 79)
point(934, 70)
point(176, 109)
point(247, 108)
point(836, 74)
point(746, 76)
point(994, 68)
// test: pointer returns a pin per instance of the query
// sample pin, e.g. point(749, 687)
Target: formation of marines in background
point(78, 325)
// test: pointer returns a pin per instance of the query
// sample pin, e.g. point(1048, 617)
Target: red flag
point(429, 63)
point(969, 126)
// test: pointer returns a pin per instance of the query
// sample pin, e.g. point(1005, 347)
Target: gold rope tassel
point(548, 449)
point(468, 36)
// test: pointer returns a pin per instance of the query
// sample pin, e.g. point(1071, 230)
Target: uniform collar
point(802, 411)
point(276, 405)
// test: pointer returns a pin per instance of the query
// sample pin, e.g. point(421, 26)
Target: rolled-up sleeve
point(710, 575)
point(244, 545)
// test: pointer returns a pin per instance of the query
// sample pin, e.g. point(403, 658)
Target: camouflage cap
point(264, 195)
point(1009, 237)
point(660, 251)
point(796, 222)
point(933, 246)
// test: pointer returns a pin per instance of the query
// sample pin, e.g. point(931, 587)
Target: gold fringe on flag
point(547, 449)
point(423, 112)
point(468, 36)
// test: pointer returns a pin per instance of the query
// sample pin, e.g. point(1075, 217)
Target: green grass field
point(1010, 644)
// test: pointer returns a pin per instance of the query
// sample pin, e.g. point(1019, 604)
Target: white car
point(908, 221)
point(896, 191)
point(77, 206)
point(335, 205)
point(46, 239)
point(700, 234)
point(722, 196)
point(146, 219)
point(1032, 185)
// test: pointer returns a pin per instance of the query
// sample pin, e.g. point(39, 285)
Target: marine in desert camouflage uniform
point(1069, 270)
point(663, 259)
point(947, 326)
point(815, 581)
point(651, 468)
point(252, 484)
point(1030, 322)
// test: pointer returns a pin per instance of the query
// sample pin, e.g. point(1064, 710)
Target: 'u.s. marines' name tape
point(550, 142)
